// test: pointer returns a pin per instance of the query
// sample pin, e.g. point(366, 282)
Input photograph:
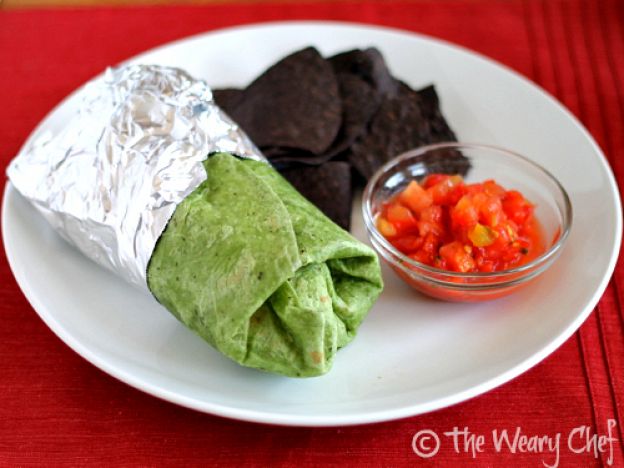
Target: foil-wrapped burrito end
point(153, 181)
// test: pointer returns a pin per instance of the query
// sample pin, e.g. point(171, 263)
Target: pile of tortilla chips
point(327, 124)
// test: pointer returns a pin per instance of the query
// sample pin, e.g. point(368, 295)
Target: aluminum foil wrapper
point(110, 180)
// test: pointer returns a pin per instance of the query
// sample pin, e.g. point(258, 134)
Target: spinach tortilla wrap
point(223, 242)
point(260, 273)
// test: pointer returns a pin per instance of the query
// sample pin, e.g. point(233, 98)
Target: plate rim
point(308, 420)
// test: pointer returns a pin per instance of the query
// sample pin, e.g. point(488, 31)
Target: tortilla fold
point(260, 273)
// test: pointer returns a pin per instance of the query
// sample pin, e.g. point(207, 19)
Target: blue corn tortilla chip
point(320, 120)
point(295, 104)
point(359, 103)
point(227, 98)
point(368, 65)
point(327, 186)
point(438, 126)
point(407, 121)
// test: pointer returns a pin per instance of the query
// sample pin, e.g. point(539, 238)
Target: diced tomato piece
point(439, 262)
point(479, 199)
point(516, 207)
point(422, 257)
point(490, 211)
point(485, 265)
point(431, 243)
point(402, 218)
point(511, 257)
point(482, 236)
point(396, 212)
point(408, 244)
point(505, 234)
point(472, 189)
point(464, 214)
point(433, 214)
point(442, 192)
point(492, 188)
point(415, 197)
point(456, 193)
point(386, 228)
point(457, 179)
point(431, 221)
point(425, 228)
point(457, 257)
point(433, 179)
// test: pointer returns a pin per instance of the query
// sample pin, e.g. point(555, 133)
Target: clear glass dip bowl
point(511, 170)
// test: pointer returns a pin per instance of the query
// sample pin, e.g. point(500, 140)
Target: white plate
point(412, 354)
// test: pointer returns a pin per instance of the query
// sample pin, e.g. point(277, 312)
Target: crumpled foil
point(110, 180)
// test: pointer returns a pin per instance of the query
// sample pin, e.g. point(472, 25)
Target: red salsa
point(445, 223)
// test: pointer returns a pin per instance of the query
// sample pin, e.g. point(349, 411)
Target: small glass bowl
point(511, 170)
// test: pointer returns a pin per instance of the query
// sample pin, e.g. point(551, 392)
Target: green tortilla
point(260, 273)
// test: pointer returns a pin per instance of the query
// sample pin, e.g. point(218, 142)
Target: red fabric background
point(57, 408)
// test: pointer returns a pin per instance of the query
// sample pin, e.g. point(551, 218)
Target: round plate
point(412, 354)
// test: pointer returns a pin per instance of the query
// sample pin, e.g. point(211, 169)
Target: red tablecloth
point(57, 408)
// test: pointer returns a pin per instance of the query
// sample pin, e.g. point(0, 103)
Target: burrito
point(260, 273)
point(153, 181)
